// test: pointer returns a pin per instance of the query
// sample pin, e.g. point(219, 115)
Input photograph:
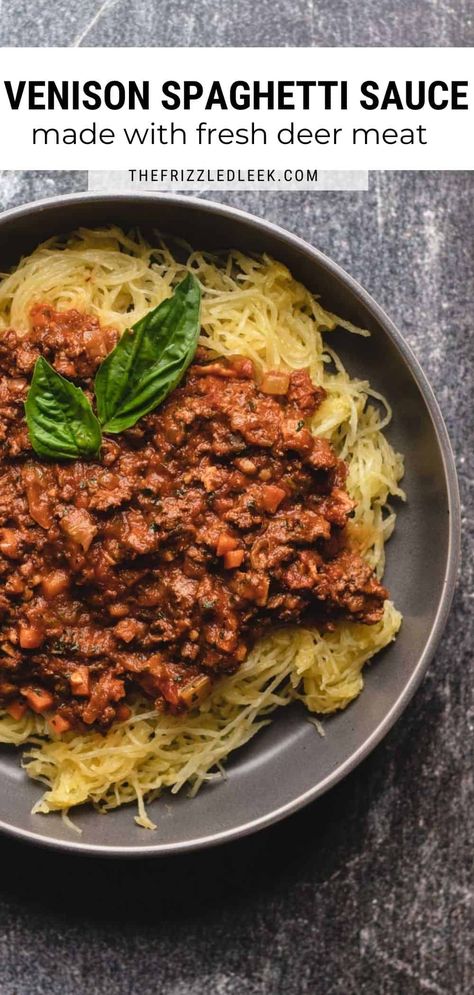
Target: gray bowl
point(288, 764)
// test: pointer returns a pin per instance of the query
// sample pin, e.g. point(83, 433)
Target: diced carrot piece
point(80, 681)
point(272, 496)
point(246, 466)
point(54, 583)
point(10, 543)
point(16, 709)
point(31, 636)
point(59, 724)
point(38, 699)
point(123, 712)
point(129, 628)
point(233, 558)
point(275, 382)
point(118, 610)
point(225, 543)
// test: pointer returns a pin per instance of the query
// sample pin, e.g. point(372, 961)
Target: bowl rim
point(454, 535)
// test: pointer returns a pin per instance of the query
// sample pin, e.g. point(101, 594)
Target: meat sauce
point(154, 569)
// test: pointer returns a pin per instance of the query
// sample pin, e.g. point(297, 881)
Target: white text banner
point(333, 109)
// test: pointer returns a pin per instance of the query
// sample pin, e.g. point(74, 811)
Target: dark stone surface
point(270, 22)
point(369, 891)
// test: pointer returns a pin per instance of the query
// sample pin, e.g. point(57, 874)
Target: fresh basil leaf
point(61, 422)
point(149, 359)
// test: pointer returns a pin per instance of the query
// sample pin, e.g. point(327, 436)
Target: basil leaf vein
point(61, 422)
point(149, 359)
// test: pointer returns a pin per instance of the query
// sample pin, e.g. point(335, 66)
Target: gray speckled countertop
point(369, 891)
